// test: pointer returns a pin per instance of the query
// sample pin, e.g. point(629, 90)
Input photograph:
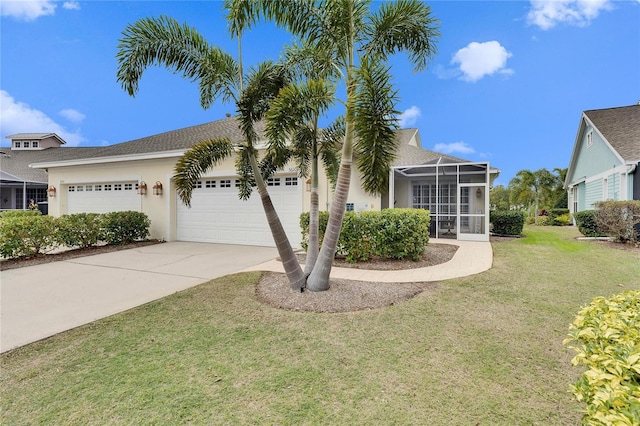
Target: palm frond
point(245, 173)
point(375, 125)
point(262, 86)
point(403, 25)
point(329, 148)
point(196, 161)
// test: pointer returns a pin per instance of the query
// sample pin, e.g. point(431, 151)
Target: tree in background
point(499, 198)
point(531, 189)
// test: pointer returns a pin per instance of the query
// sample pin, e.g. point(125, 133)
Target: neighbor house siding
point(593, 193)
point(595, 159)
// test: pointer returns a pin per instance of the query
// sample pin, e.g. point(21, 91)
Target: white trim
point(116, 179)
point(602, 175)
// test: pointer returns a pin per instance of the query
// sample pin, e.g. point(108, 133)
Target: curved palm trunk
point(312, 249)
point(289, 260)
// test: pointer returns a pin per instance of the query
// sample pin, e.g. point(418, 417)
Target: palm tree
point(531, 187)
point(355, 42)
point(180, 48)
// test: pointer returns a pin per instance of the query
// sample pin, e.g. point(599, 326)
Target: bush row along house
point(137, 175)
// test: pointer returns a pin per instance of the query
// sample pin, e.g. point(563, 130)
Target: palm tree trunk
point(289, 260)
point(314, 222)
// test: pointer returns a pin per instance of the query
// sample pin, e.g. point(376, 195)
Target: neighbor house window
point(26, 144)
point(34, 144)
point(199, 184)
point(209, 183)
point(72, 188)
point(350, 207)
point(98, 187)
point(88, 188)
point(590, 139)
point(273, 182)
point(16, 144)
point(225, 183)
point(117, 187)
point(107, 187)
point(290, 181)
point(80, 188)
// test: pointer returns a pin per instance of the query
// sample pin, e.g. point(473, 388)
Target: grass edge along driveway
point(485, 350)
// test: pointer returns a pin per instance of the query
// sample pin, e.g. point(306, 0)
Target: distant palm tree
point(180, 48)
point(352, 42)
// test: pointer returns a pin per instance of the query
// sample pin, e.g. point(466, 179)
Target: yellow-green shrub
point(606, 336)
point(26, 234)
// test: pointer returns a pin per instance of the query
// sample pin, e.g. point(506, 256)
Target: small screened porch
point(455, 193)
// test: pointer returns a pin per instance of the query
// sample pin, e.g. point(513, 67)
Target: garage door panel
point(102, 198)
point(217, 215)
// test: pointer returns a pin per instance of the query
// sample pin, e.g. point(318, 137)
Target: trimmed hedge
point(507, 222)
point(28, 233)
point(555, 215)
point(606, 336)
point(586, 222)
point(386, 234)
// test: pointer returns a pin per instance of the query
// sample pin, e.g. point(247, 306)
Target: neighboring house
point(606, 158)
point(136, 175)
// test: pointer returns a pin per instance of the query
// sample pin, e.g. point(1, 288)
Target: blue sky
point(508, 85)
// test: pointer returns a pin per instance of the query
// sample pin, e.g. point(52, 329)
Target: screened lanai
point(455, 193)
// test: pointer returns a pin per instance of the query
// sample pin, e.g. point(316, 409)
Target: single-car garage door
point(103, 197)
point(217, 215)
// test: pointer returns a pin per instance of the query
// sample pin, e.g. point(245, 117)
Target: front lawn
point(481, 350)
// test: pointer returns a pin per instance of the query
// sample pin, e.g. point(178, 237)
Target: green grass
point(480, 350)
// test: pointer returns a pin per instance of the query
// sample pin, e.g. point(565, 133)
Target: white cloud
point(454, 148)
point(409, 116)
point(72, 115)
point(71, 5)
point(18, 117)
point(548, 13)
point(27, 10)
point(477, 60)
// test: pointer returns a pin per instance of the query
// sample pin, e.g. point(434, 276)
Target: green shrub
point(387, 234)
point(26, 234)
point(507, 222)
point(562, 220)
point(617, 219)
point(543, 221)
point(606, 336)
point(19, 213)
point(79, 230)
point(530, 220)
point(586, 222)
point(554, 214)
point(125, 227)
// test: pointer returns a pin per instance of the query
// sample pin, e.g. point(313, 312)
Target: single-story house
point(606, 158)
point(137, 175)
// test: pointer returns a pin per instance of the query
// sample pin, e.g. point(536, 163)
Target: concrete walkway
point(40, 301)
point(472, 257)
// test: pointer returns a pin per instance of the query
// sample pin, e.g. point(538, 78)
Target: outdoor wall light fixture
point(157, 188)
point(142, 188)
point(478, 192)
point(52, 191)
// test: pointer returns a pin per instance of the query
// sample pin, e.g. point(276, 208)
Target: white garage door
point(217, 215)
point(103, 197)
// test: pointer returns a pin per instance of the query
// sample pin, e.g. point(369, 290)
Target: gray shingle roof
point(409, 155)
point(16, 162)
point(621, 127)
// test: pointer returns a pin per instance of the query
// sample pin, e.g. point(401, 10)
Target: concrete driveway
point(39, 301)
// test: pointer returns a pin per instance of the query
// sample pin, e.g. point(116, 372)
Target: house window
point(199, 184)
point(88, 188)
point(350, 207)
point(210, 184)
point(225, 183)
point(98, 187)
point(72, 188)
point(291, 181)
point(237, 183)
point(16, 144)
point(128, 187)
point(38, 195)
point(590, 139)
point(117, 187)
point(34, 144)
point(575, 198)
point(26, 144)
point(273, 182)
point(107, 187)
point(79, 188)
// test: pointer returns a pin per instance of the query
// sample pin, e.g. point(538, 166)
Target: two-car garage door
point(217, 215)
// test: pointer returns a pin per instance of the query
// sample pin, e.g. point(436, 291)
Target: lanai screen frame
point(433, 170)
